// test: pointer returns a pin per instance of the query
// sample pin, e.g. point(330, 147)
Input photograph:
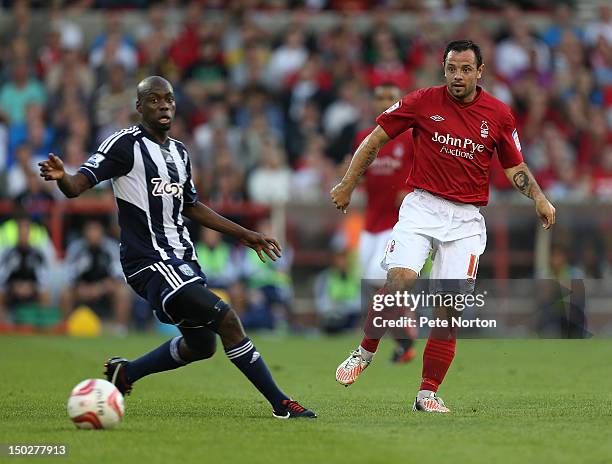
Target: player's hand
point(263, 245)
point(341, 195)
point(52, 168)
point(546, 212)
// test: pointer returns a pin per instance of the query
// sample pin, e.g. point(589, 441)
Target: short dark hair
point(461, 46)
point(388, 85)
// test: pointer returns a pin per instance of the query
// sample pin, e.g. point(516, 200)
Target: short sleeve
point(114, 158)
point(400, 116)
point(509, 145)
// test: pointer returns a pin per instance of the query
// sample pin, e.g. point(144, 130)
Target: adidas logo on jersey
point(436, 117)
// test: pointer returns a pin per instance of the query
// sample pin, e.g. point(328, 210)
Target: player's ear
point(138, 106)
point(480, 70)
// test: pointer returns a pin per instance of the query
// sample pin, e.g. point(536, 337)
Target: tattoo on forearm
point(370, 156)
point(522, 182)
point(361, 162)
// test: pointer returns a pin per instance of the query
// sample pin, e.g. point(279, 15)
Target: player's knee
point(197, 349)
point(197, 305)
point(400, 280)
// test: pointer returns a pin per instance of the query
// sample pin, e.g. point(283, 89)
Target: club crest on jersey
point(186, 270)
point(484, 130)
point(161, 188)
point(517, 142)
point(95, 160)
point(393, 107)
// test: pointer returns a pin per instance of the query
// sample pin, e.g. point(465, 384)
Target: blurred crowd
point(40, 291)
point(270, 116)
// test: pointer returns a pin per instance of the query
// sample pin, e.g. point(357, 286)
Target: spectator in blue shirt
point(18, 92)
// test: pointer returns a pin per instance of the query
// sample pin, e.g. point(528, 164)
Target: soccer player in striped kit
point(457, 128)
point(151, 178)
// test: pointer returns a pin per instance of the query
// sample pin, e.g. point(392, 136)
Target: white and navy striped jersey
point(152, 183)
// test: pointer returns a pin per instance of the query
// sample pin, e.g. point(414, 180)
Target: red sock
point(372, 334)
point(370, 344)
point(437, 358)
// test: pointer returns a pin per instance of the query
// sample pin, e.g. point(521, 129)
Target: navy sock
point(252, 365)
point(163, 358)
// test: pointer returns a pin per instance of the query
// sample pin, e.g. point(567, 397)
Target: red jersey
point(385, 178)
point(454, 142)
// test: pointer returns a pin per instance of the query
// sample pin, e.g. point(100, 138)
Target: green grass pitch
point(512, 401)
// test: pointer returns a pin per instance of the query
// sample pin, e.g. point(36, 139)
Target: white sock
point(425, 394)
point(365, 354)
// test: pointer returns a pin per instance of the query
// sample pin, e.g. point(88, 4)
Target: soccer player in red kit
point(457, 128)
point(385, 187)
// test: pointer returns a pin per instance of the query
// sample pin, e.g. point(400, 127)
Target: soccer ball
point(95, 404)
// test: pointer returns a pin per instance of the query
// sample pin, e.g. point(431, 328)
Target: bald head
point(146, 85)
point(156, 105)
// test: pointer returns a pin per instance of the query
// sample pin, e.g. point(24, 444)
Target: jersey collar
point(479, 91)
point(148, 135)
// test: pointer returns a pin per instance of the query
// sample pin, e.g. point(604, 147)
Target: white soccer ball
point(95, 404)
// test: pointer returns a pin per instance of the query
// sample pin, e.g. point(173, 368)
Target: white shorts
point(455, 234)
point(371, 249)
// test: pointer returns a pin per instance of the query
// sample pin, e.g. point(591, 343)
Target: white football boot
point(351, 368)
point(431, 403)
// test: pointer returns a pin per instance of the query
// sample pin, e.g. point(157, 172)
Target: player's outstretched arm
point(70, 185)
point(262, 244)
point(364, 156)
point(521, 179)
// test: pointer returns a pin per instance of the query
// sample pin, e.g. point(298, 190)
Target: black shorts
point(161, 282)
